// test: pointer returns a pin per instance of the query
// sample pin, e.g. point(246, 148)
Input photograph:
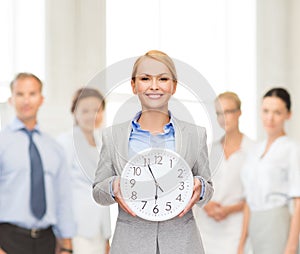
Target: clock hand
point(156, 183)
point(156, 193)
point(160, 188)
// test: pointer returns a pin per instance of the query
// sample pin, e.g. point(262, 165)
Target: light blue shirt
point(141, 139)
point(15, 181)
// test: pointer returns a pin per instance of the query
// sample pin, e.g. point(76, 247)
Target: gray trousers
point(269, 230)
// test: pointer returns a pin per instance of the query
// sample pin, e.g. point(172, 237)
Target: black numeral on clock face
point(145, 203)
point(179, 197)
point(180, 173)
point(155, 210)
point(133, 195)
point(137, 171)
point(168, 206)
point(132, 182)
point(181, 187)
point(158, 159)
point(146, 162)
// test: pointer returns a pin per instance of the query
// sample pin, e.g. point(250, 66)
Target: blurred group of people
point(256, 203)
point(255, 207)
point(67, 220)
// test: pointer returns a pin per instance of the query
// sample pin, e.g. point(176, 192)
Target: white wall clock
point(157, 184)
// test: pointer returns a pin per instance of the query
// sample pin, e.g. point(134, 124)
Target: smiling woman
point(154, 81)
point(153, 93)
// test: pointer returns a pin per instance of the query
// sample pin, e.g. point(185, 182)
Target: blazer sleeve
point(201, 168)
point(105, 172)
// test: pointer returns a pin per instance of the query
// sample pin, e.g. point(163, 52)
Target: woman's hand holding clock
point(194, 198)
point(118, 197)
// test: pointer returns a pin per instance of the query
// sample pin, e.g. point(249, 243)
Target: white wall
point(75, 46)
point(278, 54)
point(22, 46)
point(294, 64)
point(75, 52)
point(217, 38)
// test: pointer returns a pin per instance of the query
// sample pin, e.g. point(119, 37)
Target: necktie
point(37, 184)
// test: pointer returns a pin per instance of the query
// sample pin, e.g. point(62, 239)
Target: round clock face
point(157, 184)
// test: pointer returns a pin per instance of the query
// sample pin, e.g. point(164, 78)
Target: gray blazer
point(134, 235)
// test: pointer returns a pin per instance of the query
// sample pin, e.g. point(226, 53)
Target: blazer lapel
point(182, 137)
point(122, 137)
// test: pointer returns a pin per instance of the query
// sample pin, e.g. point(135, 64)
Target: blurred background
point(245, 46)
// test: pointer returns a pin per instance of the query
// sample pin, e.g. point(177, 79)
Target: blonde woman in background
point(271, 177)
point(220, 221)
point(92, 220)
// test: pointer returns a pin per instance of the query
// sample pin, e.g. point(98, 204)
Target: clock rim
point(190, 176)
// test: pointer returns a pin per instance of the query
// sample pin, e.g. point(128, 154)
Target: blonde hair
point(158, 56)
point(231, 96)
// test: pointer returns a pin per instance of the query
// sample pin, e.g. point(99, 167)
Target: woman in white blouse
point(220, 222)
point(271, 178)
point(82, 149)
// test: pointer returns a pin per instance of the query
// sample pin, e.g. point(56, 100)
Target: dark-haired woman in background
point(92, 220)
point(271, 178)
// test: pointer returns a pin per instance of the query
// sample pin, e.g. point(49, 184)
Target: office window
point(215, 37)
point(22, 45)
point(22, 40)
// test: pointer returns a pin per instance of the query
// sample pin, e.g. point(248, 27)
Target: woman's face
point(154, 85)
point(274, 113)
point(228, 114)
point(89, 113)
